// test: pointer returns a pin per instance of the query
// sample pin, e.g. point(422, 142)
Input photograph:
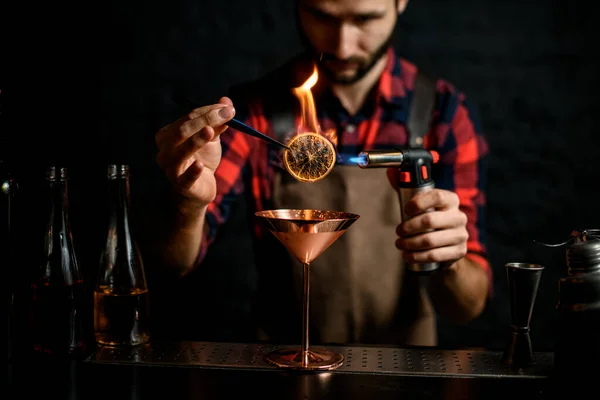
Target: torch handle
point(404, 195)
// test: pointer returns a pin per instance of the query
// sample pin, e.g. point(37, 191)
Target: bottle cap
point(54, 173)
point(118, 171)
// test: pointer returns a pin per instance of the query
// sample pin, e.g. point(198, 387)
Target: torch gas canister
point(414, 165)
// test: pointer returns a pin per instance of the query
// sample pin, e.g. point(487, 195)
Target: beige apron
point(359, 290)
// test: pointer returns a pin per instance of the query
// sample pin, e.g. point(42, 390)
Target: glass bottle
point(8, 190)
point(121, 315)
point(58, 305)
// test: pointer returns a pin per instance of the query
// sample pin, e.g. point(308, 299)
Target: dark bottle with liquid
point(57, 318)
point(577, 348)
point(121, 313)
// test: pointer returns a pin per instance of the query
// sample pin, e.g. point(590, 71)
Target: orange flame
point(332, 136)
point(308, 121)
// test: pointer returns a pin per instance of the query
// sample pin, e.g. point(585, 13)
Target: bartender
point(361, 291)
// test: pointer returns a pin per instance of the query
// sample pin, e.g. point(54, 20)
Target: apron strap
point(421, 109)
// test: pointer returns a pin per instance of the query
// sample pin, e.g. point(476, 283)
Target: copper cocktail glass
point(306, 234)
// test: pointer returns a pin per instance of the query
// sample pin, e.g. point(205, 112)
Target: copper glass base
point(313, 359)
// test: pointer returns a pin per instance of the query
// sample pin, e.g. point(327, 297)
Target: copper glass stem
point(305, 306)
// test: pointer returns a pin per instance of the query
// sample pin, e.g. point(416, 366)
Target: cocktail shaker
point(577, 345)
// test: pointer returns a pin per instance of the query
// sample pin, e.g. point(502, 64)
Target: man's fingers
point(172, 161)
point(436, 198)
point(191, 175)
point(226, 100)
point(194, 143)
point(167, 132)
point(439, 255)
point(431, 220)
point(432, 240)
point(215, 116)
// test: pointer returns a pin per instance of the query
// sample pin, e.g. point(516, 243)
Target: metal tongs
point(248, 130)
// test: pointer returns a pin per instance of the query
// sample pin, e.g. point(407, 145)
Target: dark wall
point(91, 83)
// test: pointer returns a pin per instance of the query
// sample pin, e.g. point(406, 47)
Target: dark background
point(90, 83)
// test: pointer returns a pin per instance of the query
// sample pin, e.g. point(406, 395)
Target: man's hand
point(189, 150)
point(439, 235)
point(460, 288)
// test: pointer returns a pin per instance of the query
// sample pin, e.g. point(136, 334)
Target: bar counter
point(210, 370)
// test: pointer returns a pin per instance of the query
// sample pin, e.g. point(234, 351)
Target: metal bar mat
point(371, 360)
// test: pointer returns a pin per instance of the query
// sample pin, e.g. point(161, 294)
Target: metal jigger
point(523, 283)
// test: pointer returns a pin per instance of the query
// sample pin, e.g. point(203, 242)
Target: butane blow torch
point(414, 165)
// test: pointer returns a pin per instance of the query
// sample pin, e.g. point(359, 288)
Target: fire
point(332, 136)
point(308, 121)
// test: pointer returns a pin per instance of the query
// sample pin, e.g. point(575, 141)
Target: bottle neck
point(8, 190)
point(119, 201)
point(59, 208)
point(121, 264)
point(61, 262)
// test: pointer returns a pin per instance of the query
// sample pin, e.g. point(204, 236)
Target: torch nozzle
point(396, 158)
point(374, 159)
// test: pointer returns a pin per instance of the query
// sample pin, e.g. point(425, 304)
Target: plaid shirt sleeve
point(462, 165)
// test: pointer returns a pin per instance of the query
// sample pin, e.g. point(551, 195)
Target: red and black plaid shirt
point(247, 162)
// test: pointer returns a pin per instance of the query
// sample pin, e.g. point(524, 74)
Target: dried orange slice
point(310, 158)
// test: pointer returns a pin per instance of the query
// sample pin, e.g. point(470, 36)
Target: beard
point(364, 64)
